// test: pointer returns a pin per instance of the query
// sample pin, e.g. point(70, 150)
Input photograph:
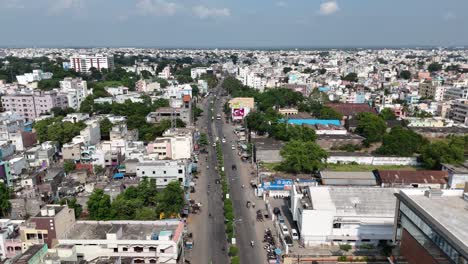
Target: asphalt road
point(247, 228)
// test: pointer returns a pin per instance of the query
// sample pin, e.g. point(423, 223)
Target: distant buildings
point(36, 75)
point(83, 63)
point(459, 111)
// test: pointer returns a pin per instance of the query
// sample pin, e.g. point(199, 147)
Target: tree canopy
point(402, 142)
point(371, 126)
point(352, 77)
point(99, 205)
point(434, 154)
point(433, 67)
point(405, 74)
point(302, 157)
point(53, 129)
point(387, 114)
point(5, 205)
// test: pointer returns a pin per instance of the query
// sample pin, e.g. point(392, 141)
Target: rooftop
point(441, 211)
point(131, 230)
point(351, 109)
point(363, 178)
point(408, 177)
point(354, 201)
point(456, 168)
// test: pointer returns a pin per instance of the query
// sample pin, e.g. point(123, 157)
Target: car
point(288, 240)
point(224, 140)
point(294, 234)
point(233, 147)
point(277, 211)
point(284, 229)
point(214, 144)
point(281, 219)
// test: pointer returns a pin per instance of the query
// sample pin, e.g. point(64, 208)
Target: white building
point(36, 75)
point(90, 135)
point(114, 91)
point(76, 90)
point(163, 171)
point(343, 215)
point(82, 63)
point(165, 73)
point(197, 72)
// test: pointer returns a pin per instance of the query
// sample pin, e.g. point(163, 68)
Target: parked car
point(277, 211)
point(284, 229)
point(288, 240)
point(281, 219)
point(294, 234)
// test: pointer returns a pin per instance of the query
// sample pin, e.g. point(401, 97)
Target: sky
point(233, 23)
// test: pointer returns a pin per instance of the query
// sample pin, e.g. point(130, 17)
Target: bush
point(366, 246)
point(345, 247)
point(342, 258)
point(235, 260)
point(233, 250)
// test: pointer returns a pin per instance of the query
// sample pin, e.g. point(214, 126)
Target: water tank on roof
point(44, 212)
point(154, 236)
point(51, 211)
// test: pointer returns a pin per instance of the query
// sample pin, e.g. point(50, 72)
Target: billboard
point(279, 184)
point(238, 113)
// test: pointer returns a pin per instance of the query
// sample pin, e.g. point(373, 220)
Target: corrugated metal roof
point(364, 178)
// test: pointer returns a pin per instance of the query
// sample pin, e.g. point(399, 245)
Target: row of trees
point(142, 202)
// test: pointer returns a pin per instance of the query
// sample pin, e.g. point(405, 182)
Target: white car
point(233, 147)
point(284, 229)
point(294, 234)
point(214, 144)
point(224, 140)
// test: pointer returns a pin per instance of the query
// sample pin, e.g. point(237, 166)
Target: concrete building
point(163, 171)
point(36, 75)
point(197, 72)
point(457, 175)
point(430, 226)
point(459, 111)
point(176, 147)
point(90, 135)
point(31, 106)
point(48, 226)
point(343, 215)
point(267, 150)
point(369, 159)
point(83, 63)
point(456, 93)
point(71, 151)
point(76, 90)
point(144, 241)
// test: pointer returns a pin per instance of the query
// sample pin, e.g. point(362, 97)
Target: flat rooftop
point(131, 230)
point(354, 201)
point(449, 211)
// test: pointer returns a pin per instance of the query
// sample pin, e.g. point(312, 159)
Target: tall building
point(31, 106)
point(459, 111)
point(83, 63)
point(431, 226)
point(76, 90)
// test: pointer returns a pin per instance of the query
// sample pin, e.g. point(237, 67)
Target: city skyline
point(230, 24)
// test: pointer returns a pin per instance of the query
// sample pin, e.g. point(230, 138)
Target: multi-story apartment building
point(76, 90)
point(36, 75)
point(31, 106)
point(162, 171)
point(456, 93)
point(459, 111)
point(430, 226)
point(83, 63)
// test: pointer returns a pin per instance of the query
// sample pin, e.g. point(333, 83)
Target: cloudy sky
point(233, 23)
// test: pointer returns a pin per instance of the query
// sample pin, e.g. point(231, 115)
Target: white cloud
point(329, 8)
point(281, 4)
point(206, 12)
point(157, 7)
point(57, 6)
point(449, 16)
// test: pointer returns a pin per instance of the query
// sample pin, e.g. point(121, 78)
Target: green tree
point(387, 114)
point(330, 113)
point(370, 126)
point(146, 214)
point(68, 166)
point(162, 82)
point(203, 141)
point(146, 74)
point(5, 205)
point(405, 74)
point(105, 126)
point(434, 154)
point(195, 90)
point(286, 70)
point(172, 198)
point(402, 142)
point(73, 204)
point(47, 85)
point(98, 169)
point(302, 157)
point(99, 205)
point(433, 67)
point(352, 77)
point(58, 111)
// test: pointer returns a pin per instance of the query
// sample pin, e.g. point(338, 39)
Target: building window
point(116, 250)
point(336, 225)
point(180, 171)
point(164, 172)
point(124, 249)
point(154, 172)
point(161, 250)
point(138, 249)
point(143, 172)
point(165, 180)
point(152, 249)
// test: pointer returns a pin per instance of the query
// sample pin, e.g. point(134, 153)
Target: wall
point(413, 252)
point(315, 226)
point(372, 160)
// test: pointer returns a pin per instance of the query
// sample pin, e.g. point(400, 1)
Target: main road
point(247, 229)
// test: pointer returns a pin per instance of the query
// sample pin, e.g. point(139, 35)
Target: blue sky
point(233, 23)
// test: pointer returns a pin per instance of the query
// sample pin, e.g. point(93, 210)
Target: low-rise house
point(412, 179)
point(348, 178)
point(267, 150)
point(457, 175)
point(336, 141)
point(71, 151)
